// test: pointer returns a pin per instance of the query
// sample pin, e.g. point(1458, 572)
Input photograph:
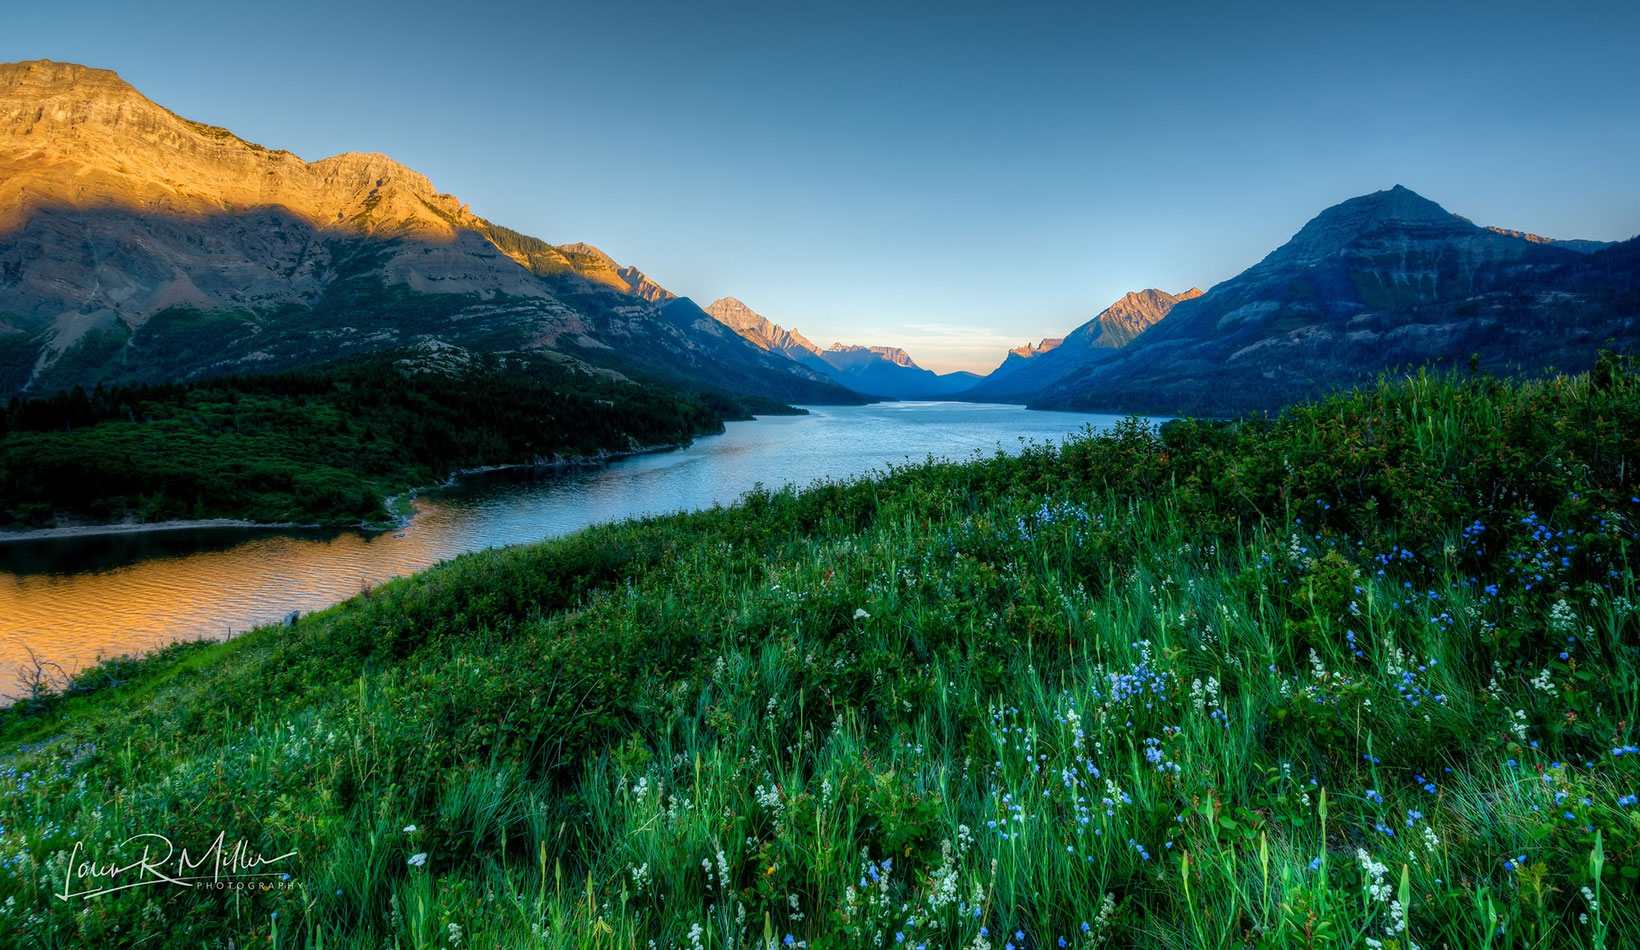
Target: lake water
point(71, 599)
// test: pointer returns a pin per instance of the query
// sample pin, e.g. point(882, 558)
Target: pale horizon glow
point(952, 179)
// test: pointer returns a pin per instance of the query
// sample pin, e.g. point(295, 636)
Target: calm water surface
point(72, 599)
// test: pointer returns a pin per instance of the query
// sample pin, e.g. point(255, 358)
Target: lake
point(72, 599)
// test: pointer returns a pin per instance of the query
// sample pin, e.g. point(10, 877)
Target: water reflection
point(72, 599)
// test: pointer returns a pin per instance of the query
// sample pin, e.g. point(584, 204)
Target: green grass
point(1362, 676)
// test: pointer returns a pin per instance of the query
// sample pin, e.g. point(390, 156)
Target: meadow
point(1361, 676)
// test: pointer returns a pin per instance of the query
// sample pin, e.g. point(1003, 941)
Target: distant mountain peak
point(891, 354)
point(1029, 350)
point(757, 328)
point(1130, 316)
point(1030, 368)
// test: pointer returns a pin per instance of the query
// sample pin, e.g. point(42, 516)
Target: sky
point(952, 178)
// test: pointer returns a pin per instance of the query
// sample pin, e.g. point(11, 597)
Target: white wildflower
point(769, 797)
point(1517, 725)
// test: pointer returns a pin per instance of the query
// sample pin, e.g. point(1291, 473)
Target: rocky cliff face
point(758, 329)
point(1584, 247)
point(847, 356)
point(84, 138)
point(1028, 370)
point(1123, 321)
point(600, 268)
point(1381, 281)
point(1036, 349)
point(136, 244)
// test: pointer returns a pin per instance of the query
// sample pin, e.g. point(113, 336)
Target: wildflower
point(409, 829)
point(1373, 872)
point(417, 860)
point(860, 614)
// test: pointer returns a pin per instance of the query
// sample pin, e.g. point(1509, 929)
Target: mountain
point(757, 328)
point(850, 358)
point(891, 372)
point(136, 245)
point(1030, 369)
point(1379, 282)
point(1036, 349)
point(886, 371)
point(596, 266)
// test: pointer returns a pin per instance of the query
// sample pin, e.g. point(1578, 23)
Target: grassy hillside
point(1364, 676)
point(325, 444)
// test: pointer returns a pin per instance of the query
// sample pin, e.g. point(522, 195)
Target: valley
point(510, 597)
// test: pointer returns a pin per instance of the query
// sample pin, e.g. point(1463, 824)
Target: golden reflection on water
point(72, 618)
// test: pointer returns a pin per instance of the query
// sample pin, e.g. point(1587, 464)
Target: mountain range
point(885, 371)
point(137, 245)
point(1382, 282)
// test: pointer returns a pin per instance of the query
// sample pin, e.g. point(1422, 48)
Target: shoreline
point(549, 463)
point(92, 530)
point(553, 462)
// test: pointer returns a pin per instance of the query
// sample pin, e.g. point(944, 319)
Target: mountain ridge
point(1027, 370)
point(137, 245)
point(758, 328)
point(874, 371)
point(1378, 281)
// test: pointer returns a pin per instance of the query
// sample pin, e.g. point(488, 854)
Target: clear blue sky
point(952, 178)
